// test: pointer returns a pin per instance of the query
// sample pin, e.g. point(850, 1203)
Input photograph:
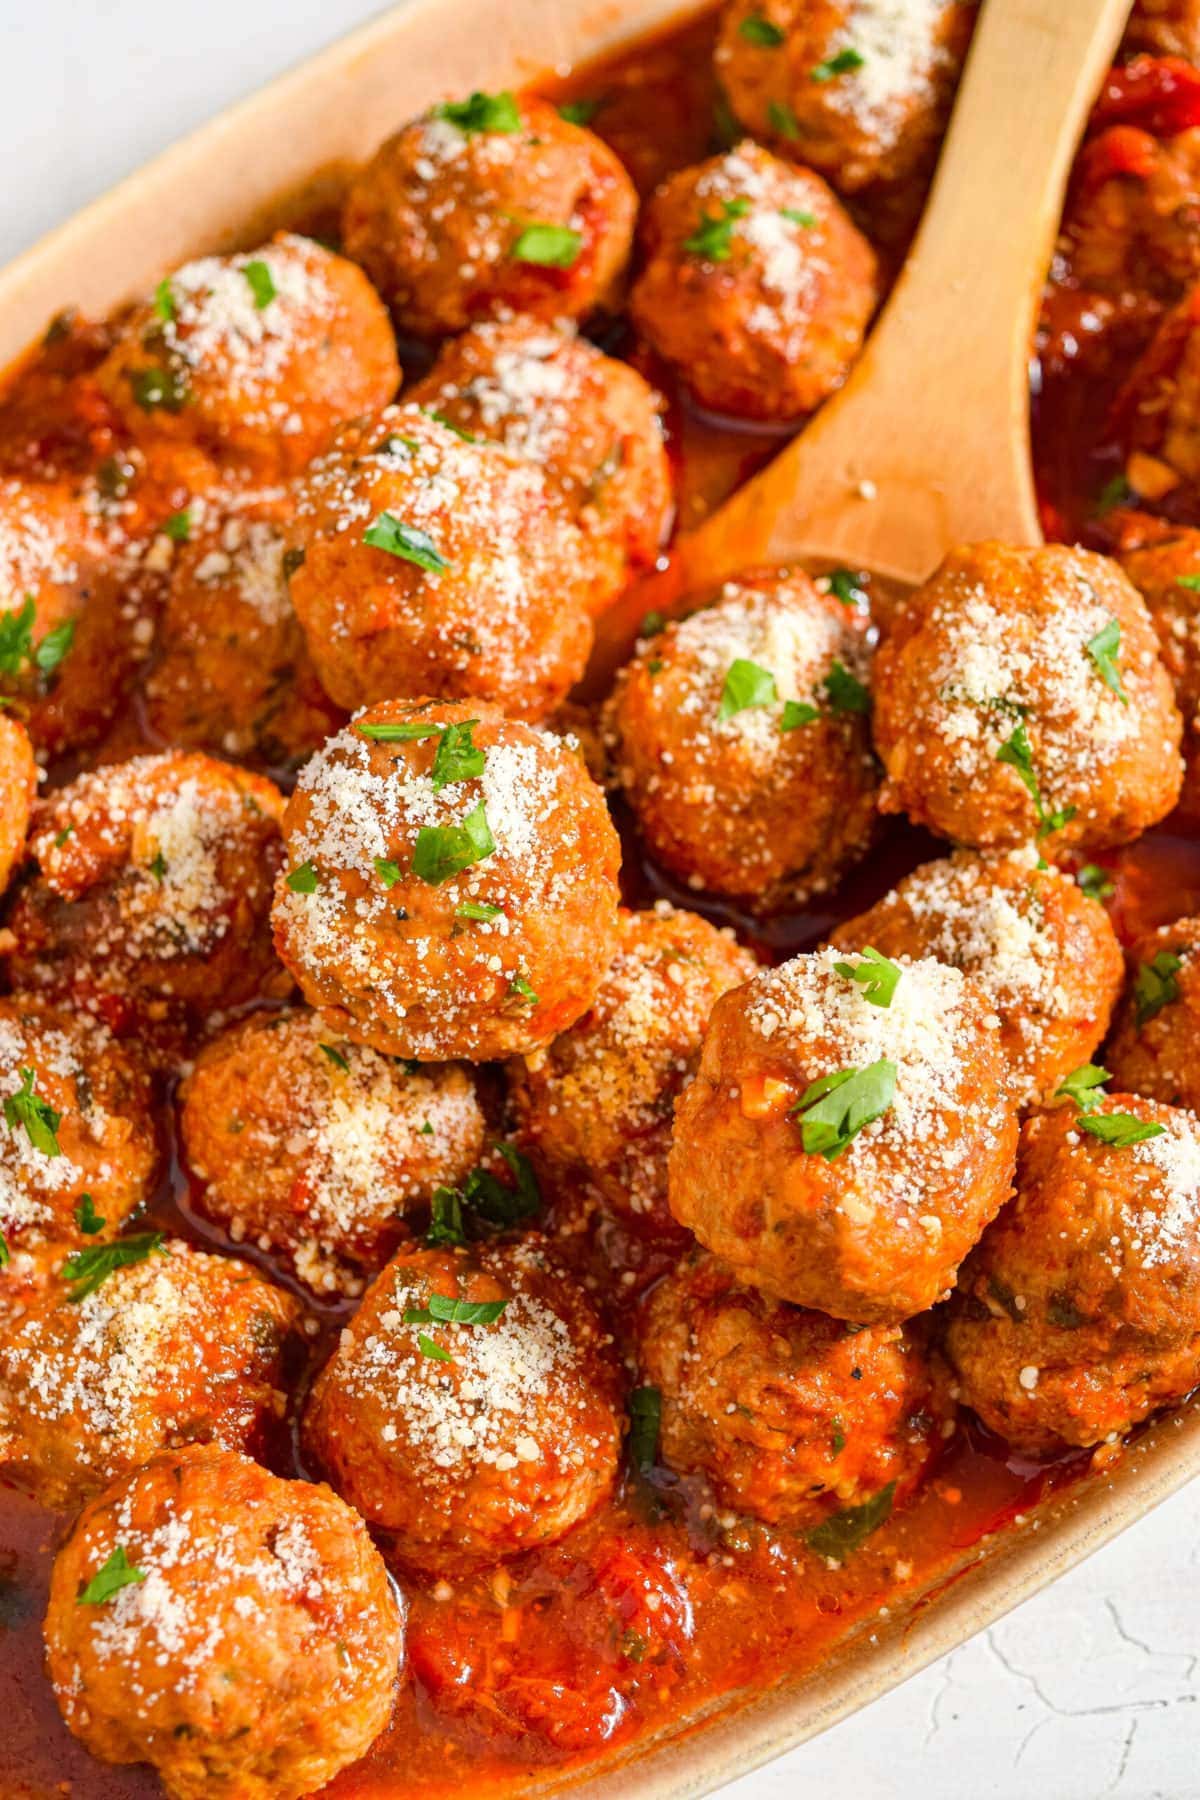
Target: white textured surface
point(1091, 1690)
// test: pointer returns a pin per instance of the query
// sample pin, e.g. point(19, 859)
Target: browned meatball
point(1164, 28)
point(1043, 952)
point(1129, 230)
point(844, 1144)
point(425, 563)
point(741, 741)
point(463, 1441)
point(1079, 1313)
point(153, 881)
point(237, 1631)
point(791, 1415)
point(591, 423)
point(320, 1149)
point(74, 619)
point(253, 357)
point(451, 883)
point(599, 1102)
point(756, 287)
point(77, 1131)
point(1155, 1045)
point(1019, 694)
point(861, 89)
point(18, 790)
point(491, 205)
point(175, 1348)
point(232, 674)
point(1167, 575)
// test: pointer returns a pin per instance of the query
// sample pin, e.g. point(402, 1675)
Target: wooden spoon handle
point(928, 443)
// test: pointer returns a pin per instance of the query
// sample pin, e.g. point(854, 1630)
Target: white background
point(1090, 1690)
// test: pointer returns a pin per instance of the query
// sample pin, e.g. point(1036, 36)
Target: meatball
point(1167, 575)
point(320, 1150)
point(848, 1135)
point(255, 357)
point(233, 675)
point(491, 205)
point(789, 1414)
point(591, 423)
point(756, 287)
point(424, 563)
point(1079, 1313)
point(599, 1102)
point(97, 1375)
point(153, 881)
point(1129, 231)
point(1043, 952)
point(451, 883)
point(859, 90)
point(741, 741)
point(18, 790)
point(77, 1141)
point(1019, 693)
point(1156, 1037)
point(461, 1442)
point(1165, 28)
point(74, 619)
point(237, 1631)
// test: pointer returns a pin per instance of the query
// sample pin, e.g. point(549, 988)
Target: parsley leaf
point(548, 246)
point(835, 1109)
point(520, 986)
point(1115, 492)
point(747, 684)
point(37, 1116)
point(480, 910)
point(845, 692)
point(88, 1268)
point(388, 872)
point(762, 32)
point(87, 1218)
point(782, 119)
point(1188, 581)
point(449, 1311)
point(430, 1347)
point(794, 216)
point(5, 1252)
point(118, 1572)
point(579, 112)
point(1095, 882)
point(445, 850)
point(1017, 752)
point(407, 542)
point(876, 975)
point(848, 586)
point(645, 1424)
point(1104, 649)
point(16, 637)
point(1119, 1129)
point(846, 1531)
point(178, 527)
point(797, 713)
point(496, 1203)
point(155, 388)
point(844, 63)
point(54, 646)
point(335, 1057)
point(304, 880)
point(399, 731)
point(456, 757)
point(1082, 1086)
point(445, 1218)
point(164, 300)
point(262, 282)
point(482, 113)
point(713, 236)
point(1155, 986)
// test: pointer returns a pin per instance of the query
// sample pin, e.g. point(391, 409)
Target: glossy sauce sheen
point(548, 1647)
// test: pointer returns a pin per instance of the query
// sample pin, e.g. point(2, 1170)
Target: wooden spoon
point(927, 445)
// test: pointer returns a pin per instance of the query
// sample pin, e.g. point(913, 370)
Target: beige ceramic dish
point(223, 186)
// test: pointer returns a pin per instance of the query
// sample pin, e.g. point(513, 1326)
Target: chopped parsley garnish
point(407, 542)
point(1114, 493)
point(843, 63)
point(645, 1423)
point(399, 731)
point(304, 880)
point(875, 974)
point(835, 1109)
point(25, 1109)
point(54, 646)
point(178, 527)
point(1017, 752)
point(845, 692)
point(62, 836)
point(261, 282)
point(652, 624)
point(579, 112)
point(480, 910)
point(118, 1572)
point(5, 1252)
point(445, 1218)
point(445, 850)
point(155, 388)
point(388, 872)
point(164, 300)
point(335, 1057)
point(1188, 581)
point(447, 1311)
point(519, 986)
point(1104, 649)
point(443, 418)
point(848, 586)
point(747, 684)
point(782, 119)
point(797, 713)
point(548, 246)
point(17, 646)
point(840, 1535)
point(1155, 986)
point(482, 112)
point(88, 1268)
point(794, 216)
point(762, 32)
point(456, 758)
point(394, 443)
point(1095, 882)
point(429, 1347)
point(1119, 1129)
point(158, 868)
point(1083, 1085)
point(495, 1202)
point(713, 236)
point(87, 1218)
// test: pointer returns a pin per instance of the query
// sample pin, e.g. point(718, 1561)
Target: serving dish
point(281, 153)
